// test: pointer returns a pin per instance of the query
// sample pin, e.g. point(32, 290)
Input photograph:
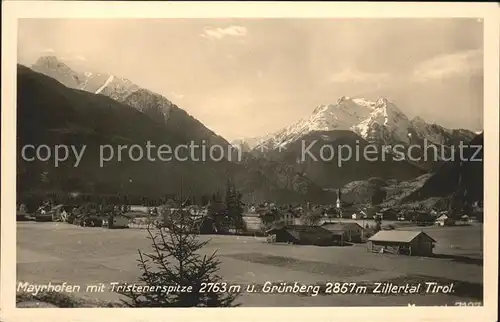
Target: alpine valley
point(57, 104)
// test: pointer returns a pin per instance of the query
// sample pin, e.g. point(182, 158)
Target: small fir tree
point(176, 260)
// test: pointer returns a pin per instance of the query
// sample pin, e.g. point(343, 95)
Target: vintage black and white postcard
point(324, 157)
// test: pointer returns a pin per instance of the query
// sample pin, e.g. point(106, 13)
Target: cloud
point(355, 76)
point(48, 50)
point(177, 96)
point(80, 57)
point(463, 63)
point(219, 33)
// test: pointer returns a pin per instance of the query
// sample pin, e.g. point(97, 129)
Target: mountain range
point(379, 121)
point(58, 104)
point(51, 113)
point(122, 90)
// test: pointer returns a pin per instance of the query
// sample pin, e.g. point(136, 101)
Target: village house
point(298, 221)
point(348, 212)
point(22, 208)
point(444, 220)
point(351, 232)
point(288, 218)
point(465, 219)
point(390, 213)
point(256, 219)
point(304, 235)
point(402, 215)
point(22, 213)
point(252, 221)
point(43, 213)
point(116, 222)
point(196, 211)
point(412, 243)
point(205, 225)
point(59, 213)
point(423, 218)
point(477, 206)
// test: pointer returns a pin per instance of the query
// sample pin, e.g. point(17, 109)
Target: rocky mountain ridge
point(379, 121)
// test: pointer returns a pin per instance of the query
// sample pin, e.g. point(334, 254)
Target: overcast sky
point(248, 77)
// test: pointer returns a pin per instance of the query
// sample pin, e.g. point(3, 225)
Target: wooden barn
point(116, 222)
point(352, 232)
point(252, 221)
point(390, 213)
point(412, 243)
point(304, 235)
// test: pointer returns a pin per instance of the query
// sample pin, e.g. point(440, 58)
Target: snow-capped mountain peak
point(117, 88)
point(386, 123)
point(53, 67)
point(109, 80)
point(379, 121)
point(365, 117)
point(50, 61)
point(381, 102)
point(364, 102)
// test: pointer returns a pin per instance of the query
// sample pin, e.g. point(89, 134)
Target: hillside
point(462, 181)
point(330, 173)
point(157, 107)
point(457, 177)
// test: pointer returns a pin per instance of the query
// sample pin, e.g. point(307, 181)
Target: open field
point(60, 252)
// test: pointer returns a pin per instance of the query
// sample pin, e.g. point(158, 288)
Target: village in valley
point(335, 195)
point(335, 224)
point(340, 232)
